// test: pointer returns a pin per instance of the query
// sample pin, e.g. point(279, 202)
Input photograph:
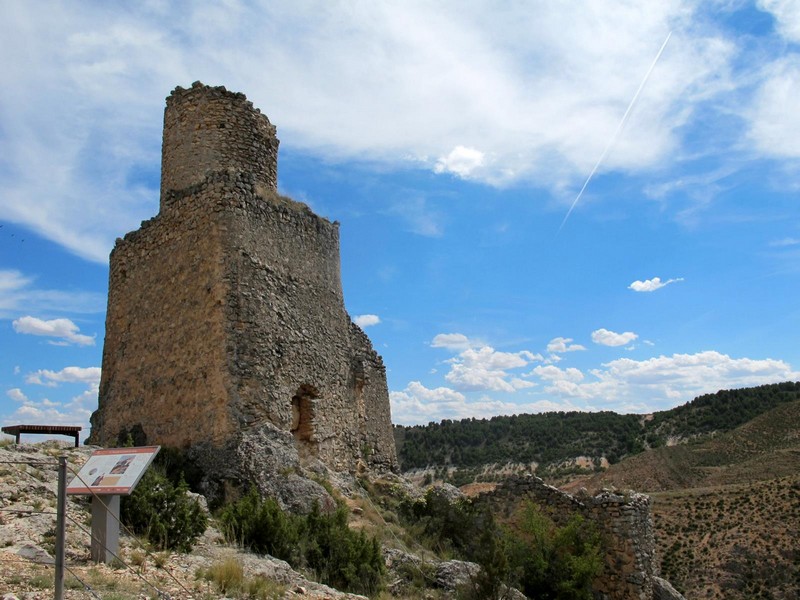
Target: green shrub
point(555, 562)
point(263, 527)
point(538, 557)
point(339, 557)
point(163, 513)
point(447, 527)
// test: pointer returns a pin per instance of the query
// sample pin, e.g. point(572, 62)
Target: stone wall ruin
point(631, 570)
point(226, 331)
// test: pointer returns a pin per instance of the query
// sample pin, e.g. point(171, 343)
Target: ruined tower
point(226, 332)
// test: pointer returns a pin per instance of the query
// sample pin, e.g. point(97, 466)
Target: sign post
point(108, 474)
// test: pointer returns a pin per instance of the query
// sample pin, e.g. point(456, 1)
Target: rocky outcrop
point(454, 574)
point(663, 590)
point(27, 521)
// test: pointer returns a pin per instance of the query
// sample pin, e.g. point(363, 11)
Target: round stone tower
point(209, 129)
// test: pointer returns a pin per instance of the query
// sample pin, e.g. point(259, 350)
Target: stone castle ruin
point(226, 332)
point(227, 339)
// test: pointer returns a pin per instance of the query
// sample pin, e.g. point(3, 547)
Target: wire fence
point(40, 557)
point(44, 559)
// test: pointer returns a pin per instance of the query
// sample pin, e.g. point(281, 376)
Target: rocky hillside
point(565, 443)
point(765, 448)
point(726, 509)
point(28, 486)
point(723, 472)
point(416, 534)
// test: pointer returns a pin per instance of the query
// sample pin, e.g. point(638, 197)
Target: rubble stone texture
point(624, 521)
point(226, 322)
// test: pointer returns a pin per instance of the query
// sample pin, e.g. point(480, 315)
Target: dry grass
point(229, 578)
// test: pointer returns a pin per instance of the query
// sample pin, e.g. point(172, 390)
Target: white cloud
point(460, 161)
point(58, 328)
point(17, 293)
point(17, 395)
point(418, 405)
point(440, 395)
point(366, 320)
point(75, 411)
point(774, 126)
point(562, 344)
point(785, 242)
point(87, 375)
point(521, 384)
point(439, 85)
point(787, 16)
point(12, 281)
point(605, 337)
point(651, 285)
point(452, 341)
point(51, 413)
point(665, 381)
point(486, 369)
point(420, 218)
point(552, 373)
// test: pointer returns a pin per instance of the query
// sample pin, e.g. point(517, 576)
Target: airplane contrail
point(617, 132)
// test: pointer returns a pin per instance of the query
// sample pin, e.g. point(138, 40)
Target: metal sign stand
point(105, 528)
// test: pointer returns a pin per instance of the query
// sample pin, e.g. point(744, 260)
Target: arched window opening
point(303, 421)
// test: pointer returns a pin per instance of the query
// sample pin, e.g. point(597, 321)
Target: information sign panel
point(113, 470)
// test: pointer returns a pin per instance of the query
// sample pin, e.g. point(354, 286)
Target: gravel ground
point(27, 535)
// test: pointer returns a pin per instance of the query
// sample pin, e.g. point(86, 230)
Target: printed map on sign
point(113, 470)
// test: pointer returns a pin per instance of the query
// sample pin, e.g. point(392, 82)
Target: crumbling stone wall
point(226, 327)
point(631, 569)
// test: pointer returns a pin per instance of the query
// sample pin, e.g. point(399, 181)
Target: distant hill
point(551, 440)
point(726, 507)
point(722, 471)
point(765, 448)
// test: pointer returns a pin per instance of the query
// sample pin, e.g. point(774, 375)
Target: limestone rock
point(663, 590)
point(447, 492)
point(453, 574)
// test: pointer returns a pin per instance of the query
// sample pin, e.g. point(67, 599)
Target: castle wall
point(292, 333)
point(226, 319)
point(624, 523)
point(164, 353)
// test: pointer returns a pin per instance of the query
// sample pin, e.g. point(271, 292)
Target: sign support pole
point(105, 528)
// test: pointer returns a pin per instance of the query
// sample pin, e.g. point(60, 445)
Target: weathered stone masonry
point(226, 331)
point(630, 567)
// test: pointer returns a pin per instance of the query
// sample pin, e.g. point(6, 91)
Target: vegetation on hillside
point(550, 438)
point(162, 512)
point(541, 438)
point(322, 543)
point(529, 552)
point(726, 508)
point(734, 542)
point(764, 448)
point(719, 412)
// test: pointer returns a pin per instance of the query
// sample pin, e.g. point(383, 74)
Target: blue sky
point(450, 139)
